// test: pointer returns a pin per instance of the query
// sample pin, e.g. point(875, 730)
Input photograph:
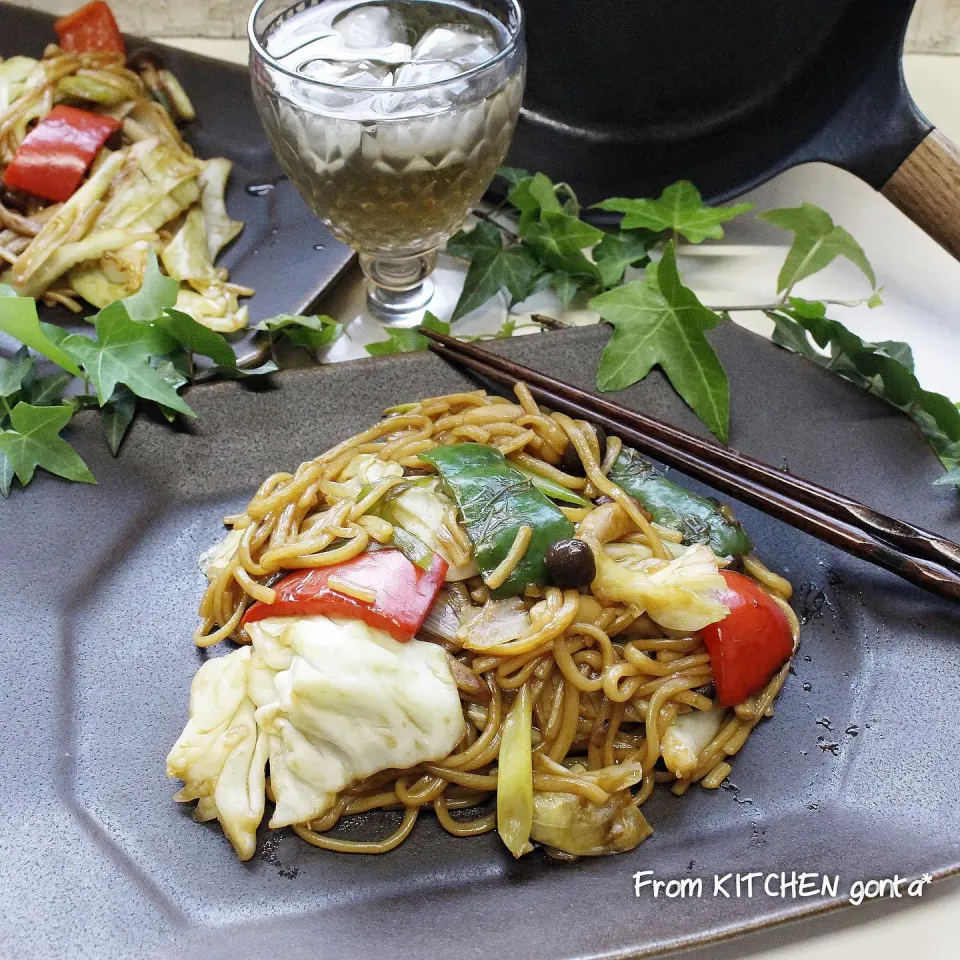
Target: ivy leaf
point(238, 373)
point(899, 351)
point(13, 373)
point(82, 401)
point(311, 332)
point(123, 355)
point(18, 319)
point(484, 237)
point(679, 208)
point(407, 340)
point(787, 333)
point(42, 391)
point(817, 242)
point(117, 415)
point(513, 175)
point(514, 268)
point(662, 322)
point(172, 372)
point(35, 441)
point(565, 286)
point(532, 197)
point(156, 294)
point(878, 368)
point(950, 478)
point(195, 337)
point(6, 475)
point(559, 241)
point(572, 204)
point(617, 251)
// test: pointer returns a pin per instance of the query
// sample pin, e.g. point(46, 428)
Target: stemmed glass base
point(400, 291)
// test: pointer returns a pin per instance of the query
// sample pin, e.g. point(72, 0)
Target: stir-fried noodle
point(604, 681)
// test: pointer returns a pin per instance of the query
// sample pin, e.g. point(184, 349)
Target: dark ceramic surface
point(284, 253)
point(100, 589)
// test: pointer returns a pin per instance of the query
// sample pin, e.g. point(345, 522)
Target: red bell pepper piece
point(91, 28)
point(750, 644)
point(58, 151)
point(404, 593)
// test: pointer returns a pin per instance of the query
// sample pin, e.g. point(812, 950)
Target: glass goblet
point(391, 119)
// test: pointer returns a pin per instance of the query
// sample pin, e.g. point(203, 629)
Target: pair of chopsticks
point(917, 555)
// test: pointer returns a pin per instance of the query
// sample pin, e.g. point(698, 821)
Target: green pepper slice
point(552, 489)
point(495, 500)
point(699, 520)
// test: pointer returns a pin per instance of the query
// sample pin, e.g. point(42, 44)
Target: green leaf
point(18, 318)
point(14, 372)
point(123, 355)
point(559, 240)
point(6, 475)
point(572, 204)
point(662, 322)
point(679, 208)
point(156, 294)
point(409, 340)
point(117, 415)
point(431, 322)
point(35, 441)
point(617, 251)
point(513, 175)
point(950, 478)
point(532, 197)
point(195, 337)
point(899, 351)
point(399, 340)
point(787, 333)
point(42, 391)
point(309, 332)
point(565, 286)
point(484, 237)
point(240, 373)
point(182, 363)
point(512, 268)
point(817, 242)
point(82, 401)
point(171, 372)
point(878, 368)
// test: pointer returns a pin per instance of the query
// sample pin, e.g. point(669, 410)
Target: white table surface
point(921, 286)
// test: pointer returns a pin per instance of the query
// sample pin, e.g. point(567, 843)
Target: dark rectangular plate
point(284, 253)
point(99, 598)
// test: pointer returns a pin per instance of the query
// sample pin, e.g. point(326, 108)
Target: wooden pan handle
point(926, 187)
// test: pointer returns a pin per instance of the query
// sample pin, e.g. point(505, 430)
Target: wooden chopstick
point(917, 555)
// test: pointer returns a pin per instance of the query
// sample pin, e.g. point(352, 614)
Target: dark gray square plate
point(856, 774)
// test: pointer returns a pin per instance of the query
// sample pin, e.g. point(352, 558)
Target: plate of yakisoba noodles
point(476, 604)
point(389, 662)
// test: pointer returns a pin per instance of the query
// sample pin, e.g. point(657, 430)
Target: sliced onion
point(445, 617)
point(498, 621)
point(468, 683)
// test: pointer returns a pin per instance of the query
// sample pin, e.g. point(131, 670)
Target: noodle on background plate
point(591, 701)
